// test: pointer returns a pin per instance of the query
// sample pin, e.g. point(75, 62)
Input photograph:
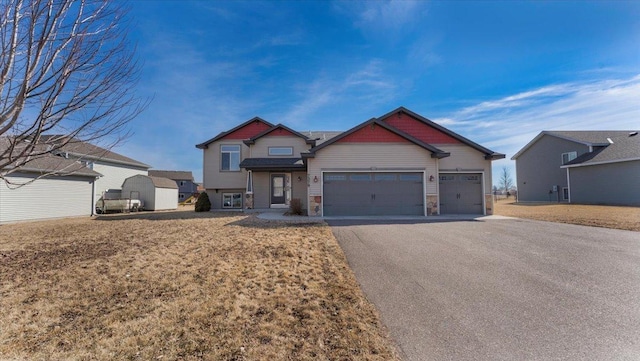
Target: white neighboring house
point(55, 196)
point(81, 172)
point(113, 167)
point(156, 193)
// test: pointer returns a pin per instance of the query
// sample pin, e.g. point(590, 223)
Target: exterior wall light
point(431, 178)
point(315, 179)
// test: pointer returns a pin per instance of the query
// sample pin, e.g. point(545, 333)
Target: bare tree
point(66, 69)
point(505, 179)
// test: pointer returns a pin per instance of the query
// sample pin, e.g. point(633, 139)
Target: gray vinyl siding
point(261, 148)
point(613, 183)
point(261, 189)
point(299, 188)
point(52, 197)
point(213, 177)
point(538, 168)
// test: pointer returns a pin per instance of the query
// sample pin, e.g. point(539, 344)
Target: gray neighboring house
point(184, 180)
point(590, 167)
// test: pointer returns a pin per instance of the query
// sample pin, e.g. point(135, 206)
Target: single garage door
point(373, 194)
point(461, 193)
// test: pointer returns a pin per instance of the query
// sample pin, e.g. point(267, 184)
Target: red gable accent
point(418, 129)
point(373, 134)
point(280, 132)
point(248, 131)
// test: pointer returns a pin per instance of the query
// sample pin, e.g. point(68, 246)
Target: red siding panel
point(419, 130)
point(373, 134)
point(248, 131)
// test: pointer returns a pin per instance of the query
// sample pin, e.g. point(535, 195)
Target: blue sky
point(495, 72)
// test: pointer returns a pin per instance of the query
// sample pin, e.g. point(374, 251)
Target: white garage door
point(373, 193)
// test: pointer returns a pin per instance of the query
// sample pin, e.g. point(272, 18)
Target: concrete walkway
point(279, 215)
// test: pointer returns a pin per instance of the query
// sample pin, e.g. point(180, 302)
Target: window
point(231, 200)
point(381, 177)
point(411, 177)
point(360, 177)
point(181, 195)
point(230, 157)
point(335, 177)
point(182, 183)
point(280, 150)
point(565, 193)
point(568, 157)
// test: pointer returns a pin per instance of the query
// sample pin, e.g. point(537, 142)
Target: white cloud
point(368, 85)
point(505, 125)
point(386, 18)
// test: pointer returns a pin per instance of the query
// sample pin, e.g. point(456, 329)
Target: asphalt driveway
point(500, 289)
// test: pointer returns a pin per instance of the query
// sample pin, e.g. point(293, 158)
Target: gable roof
point(587, 137)
point(161, 182)
point(321, 136)
point(622, 149)
point(87, 151)
point(273, 128)
point(435, 152)
point(58, 166)
point(172, 174)
point(205, 144)
point(489, 154)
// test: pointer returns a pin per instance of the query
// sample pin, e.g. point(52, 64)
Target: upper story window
point(568, 157)
point(182, 183)
point(280, 150)
point(230, 157)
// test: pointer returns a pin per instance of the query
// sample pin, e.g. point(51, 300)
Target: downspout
point(568, 185)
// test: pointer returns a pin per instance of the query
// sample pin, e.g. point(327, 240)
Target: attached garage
point(373, 193)
point(461, 193)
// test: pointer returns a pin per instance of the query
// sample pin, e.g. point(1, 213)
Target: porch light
point(431, 178)
point(315, 179)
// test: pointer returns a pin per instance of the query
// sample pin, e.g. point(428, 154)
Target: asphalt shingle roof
point(624, 147)
point(172, 174)
point(163, 182)
point(280, 163)
point(92, 152)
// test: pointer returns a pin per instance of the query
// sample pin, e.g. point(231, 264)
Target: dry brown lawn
point(627, 218)
point(181, 285)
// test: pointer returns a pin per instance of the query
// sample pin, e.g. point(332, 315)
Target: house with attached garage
point(590, 167)
point(76, 175)
point(398, 164)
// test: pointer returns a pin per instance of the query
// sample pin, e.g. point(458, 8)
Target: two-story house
point(184, 180)
point(600, 167)
point(398, 164)
point(77, 174)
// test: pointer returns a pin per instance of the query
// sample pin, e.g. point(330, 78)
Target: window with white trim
point(568, 157)
point(231, 200)
point(230, 157)
point(280, 151)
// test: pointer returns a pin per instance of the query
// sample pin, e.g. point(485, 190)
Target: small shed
point(155, 192)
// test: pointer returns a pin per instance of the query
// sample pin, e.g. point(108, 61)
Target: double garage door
point(373, 193)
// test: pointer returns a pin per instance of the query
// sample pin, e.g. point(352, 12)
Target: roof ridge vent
point(633, 134)
point(609, 140)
